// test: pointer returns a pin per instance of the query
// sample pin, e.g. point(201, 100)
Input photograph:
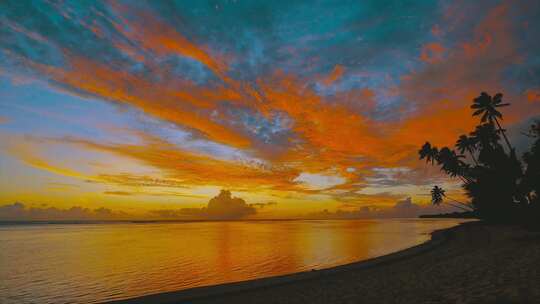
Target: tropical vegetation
point(500, 185)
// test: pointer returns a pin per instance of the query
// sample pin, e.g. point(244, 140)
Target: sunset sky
point(148, 109)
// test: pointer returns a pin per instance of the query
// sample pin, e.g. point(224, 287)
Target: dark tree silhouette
point(486, 136)
point(501, 187)
point(437, 197)
point(429, 153)
point(531, 181)
point(465, 143)
point(452, 163)
point(486, 106)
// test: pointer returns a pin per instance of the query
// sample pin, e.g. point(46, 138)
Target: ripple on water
point(99, 262)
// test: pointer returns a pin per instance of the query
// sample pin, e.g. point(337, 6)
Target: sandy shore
point(471, 263)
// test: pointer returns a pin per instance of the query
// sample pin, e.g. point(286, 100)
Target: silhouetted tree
point(499, 185)
point(485, 135)
point(437, 197)
point(531, 180)
point(437, 194)
point(465, 143)
point(486, 106)
point(428, 152)
point(452, 163)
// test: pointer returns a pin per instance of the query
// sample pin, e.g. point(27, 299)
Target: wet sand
point(470, 263)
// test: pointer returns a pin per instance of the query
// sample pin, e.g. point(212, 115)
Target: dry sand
point(471, 263)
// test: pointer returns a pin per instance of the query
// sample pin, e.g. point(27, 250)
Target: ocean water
point(91, 263)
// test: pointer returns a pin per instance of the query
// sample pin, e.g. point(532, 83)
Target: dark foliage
point(501, 187)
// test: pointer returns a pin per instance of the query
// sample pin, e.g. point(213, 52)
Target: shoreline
point(474, 262)
point(438, 237)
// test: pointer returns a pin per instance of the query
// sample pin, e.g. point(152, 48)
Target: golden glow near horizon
point(126, 113)
point(150, 258)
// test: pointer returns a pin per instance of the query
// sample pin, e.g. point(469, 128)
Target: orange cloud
point(441, 93)
point(436, 31)
point(328, 128)
point(432, 52)
point(161, 38)
point(158, 100)
point(435, 124)
point(328, 135)
point(335, 75)
point(25, 154)
point(189, 169)
point(123, 193)
point(533, 95)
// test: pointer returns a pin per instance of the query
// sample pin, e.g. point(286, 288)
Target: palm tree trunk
point(462, 179)
point(456, 206)
point(456, 201)
point(465, 179)
point(504, 135)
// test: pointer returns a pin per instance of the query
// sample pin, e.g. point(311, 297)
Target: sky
point(273, 109)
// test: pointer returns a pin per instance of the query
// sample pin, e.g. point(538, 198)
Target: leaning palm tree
point(452, 164)
point(437, 197)
point(486, 106)
point(466, 143)
point(437, 194)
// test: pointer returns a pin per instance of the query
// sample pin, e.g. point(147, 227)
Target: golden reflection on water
point(94, 263)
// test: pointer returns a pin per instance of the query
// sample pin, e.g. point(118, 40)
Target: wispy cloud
point(284, 102)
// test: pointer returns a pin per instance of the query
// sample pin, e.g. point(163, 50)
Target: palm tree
point(452, 164)
point(487, 106)
point(485, 135)
point(437, 194)
point(437, 197)
point(465, 143)
point(429, 153)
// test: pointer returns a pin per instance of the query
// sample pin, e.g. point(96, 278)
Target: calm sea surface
point(89, 263)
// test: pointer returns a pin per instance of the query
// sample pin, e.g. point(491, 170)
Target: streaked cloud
point(278, 99)
point(319, 181)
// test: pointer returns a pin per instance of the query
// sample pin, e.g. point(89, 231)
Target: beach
point(471, 263)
